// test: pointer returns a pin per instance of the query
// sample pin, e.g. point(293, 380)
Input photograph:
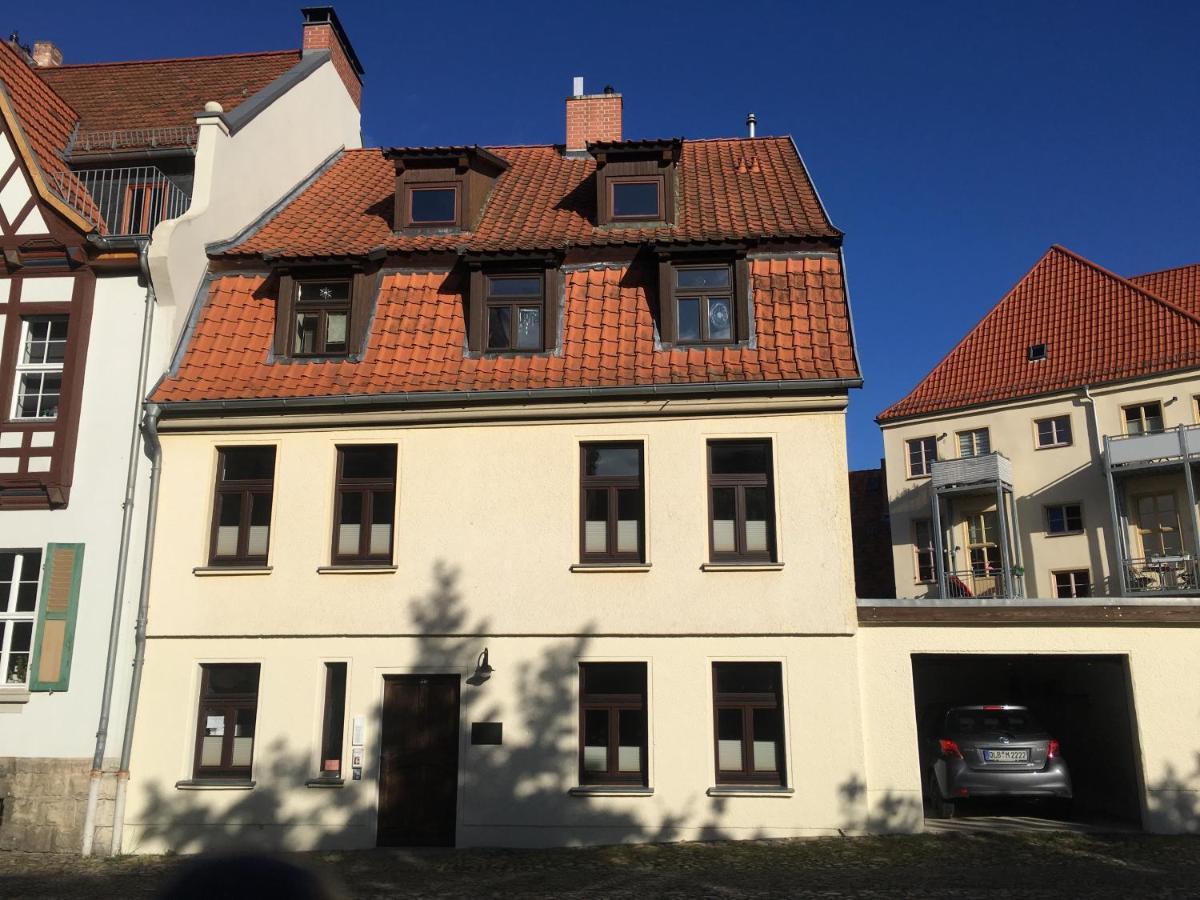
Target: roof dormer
point(440, 189)
point(635, 181)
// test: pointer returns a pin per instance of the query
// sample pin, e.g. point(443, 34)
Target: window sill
point(214, 784)
point(231, 570)
point(610, 790)
point(611, 567)
point(749, 790)
point(742, 567)
point(357, 570)
point(325, 783)
point(14, 695)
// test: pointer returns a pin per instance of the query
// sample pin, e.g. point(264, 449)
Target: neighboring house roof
point(131, 105)
point(417, 338)
point(727, 190)
point(1180, 286)
point(1097, 327)
point(47, 122)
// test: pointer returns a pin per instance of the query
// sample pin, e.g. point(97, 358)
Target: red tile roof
point(164, 93)
point(1180, 286)
point(1097, 327)
point(728, 189)
point(417, 337)
point(47, 122)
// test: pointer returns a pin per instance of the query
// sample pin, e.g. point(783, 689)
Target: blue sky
point(953, 142)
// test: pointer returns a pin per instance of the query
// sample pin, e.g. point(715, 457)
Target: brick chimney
point(323, 31)
point(46, 55)
point(592, 117)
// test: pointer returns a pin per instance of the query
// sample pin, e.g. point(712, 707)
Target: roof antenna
point(751, 121)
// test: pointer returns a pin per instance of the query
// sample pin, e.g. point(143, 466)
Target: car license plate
point(1006, 755)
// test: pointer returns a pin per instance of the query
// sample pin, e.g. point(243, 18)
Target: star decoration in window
point(326, 293)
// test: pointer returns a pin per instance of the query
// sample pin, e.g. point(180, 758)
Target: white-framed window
point(1143, 418)
point(1064, 518)
point(976, 442)
point(20, 571)
point(923, 547)
point(39, 372)
point(1076, 583)
point(922, 453)
point(1054, 432)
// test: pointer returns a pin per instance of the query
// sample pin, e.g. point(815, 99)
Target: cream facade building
point(1054, 437)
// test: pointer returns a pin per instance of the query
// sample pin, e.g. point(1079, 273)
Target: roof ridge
point(1127, 283)
point(1195, 265)
point(168, 59)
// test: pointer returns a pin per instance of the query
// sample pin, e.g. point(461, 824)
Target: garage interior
point(1084, 701)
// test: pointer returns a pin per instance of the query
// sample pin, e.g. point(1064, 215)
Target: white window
point(922, 453)
point(40, 367)
point(19, 574)
point(1066, 518)
point(1077, 583)
point(974, 443)
point(1054, 432)
point(1144, 418)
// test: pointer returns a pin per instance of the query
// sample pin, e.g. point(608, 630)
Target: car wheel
point(935, 806)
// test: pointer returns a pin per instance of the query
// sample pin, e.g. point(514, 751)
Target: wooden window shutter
point(476, 310)
point(551, 308)
point(364, 290)
point(743, 302)
point(284, 304)
point(666, 301)
point(56, 617)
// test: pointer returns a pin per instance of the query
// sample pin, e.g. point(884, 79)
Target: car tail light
point(1052, 751)
point(950, 749)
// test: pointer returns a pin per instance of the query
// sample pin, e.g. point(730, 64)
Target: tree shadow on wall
point(512, 793)
point(1173, 802)
point(890, 813)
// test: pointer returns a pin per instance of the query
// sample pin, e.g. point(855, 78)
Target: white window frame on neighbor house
point(43, 369)
point(974, 442)
point(1057, 438)
point(10, 618)
point(926, 459)
point(1142, 417)
point(1073, 583)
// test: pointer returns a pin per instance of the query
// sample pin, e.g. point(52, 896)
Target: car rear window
point(969, 721)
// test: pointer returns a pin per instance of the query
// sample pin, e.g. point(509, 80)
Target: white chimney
point(577, 90)
point(751, 122)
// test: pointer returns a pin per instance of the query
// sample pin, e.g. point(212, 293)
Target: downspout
point(127, 505)
point(154, 452)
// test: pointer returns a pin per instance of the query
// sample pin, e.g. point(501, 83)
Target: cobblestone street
point(928, 866)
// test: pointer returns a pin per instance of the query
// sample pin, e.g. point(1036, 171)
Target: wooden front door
point(418, 771)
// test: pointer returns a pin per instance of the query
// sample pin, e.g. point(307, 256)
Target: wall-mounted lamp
point(483, 669)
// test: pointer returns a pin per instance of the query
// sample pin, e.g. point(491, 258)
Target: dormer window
point(636, 199)
point(514, 312)
point(432, 205)
point(322, 319)
point(703, 300)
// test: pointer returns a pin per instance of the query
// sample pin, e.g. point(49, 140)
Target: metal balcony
point(985, 472)
point(132, 200)
point(1140, 451)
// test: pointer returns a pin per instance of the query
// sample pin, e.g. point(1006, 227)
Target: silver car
point(993, 751)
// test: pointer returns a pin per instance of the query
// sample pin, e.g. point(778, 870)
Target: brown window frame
point(659, 181)
point(369, 487)
point(740, 483)
point(230, 704)
point(452, 184)
point(613, 485)
point(747, 703)
point(614, 704)
point(333, 720)
point(927, 461)
point(154, 194)
point(514, 303)
point(704, 295)
point(245, 489)
point(323, 310)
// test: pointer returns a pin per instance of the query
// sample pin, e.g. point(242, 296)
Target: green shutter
point(51, 669)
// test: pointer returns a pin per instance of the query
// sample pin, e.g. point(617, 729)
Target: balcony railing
point(132, 200)
point(963, 583)
point(1162, 574)
point(1138, 450)
point(987, 470)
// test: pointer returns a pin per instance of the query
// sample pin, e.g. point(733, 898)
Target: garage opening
point(1084, 703)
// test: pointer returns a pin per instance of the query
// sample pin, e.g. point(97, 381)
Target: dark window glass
point(741, 501)
point(703, 305)
point(636, 199)
point(322, 318)
point(688, 329)
point(1072, 584)
point(365, 505)
point(1055, 432)
point(333, 721)
point(748, 721)
point(242, 506)
point(922, 453)
point(612, 503)
point(687, 277)
point(433, 206)
point(226, 726)
point(612, 712)
point(514, 312)
point(1064, 519)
